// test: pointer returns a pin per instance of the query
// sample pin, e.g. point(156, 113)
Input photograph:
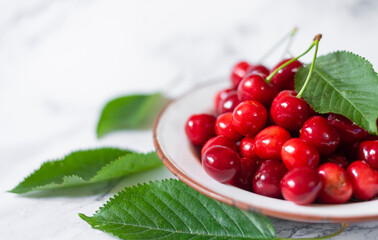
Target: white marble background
point(61, 60)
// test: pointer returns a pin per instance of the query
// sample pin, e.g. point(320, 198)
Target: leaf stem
point(342, 228)
point(316, 42)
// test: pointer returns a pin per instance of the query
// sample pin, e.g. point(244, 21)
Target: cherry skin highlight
point(267, 179)
point(364, 180)
point(199, 128)
point(298, 153)
point(284, 78)
point(301, 185)
point(348, 130)
point(222, 94)
point(224, 127)
point(221, 163)
point(368, 151)
point(259, 70)
point(288, 111)
point(229, 103)
point(336, 186)
point(249, 118)
point(247, 147)
point(270, 141)
point(319, 132)
point(219, 141)
point(238, 73)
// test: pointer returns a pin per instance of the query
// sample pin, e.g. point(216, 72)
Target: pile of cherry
point(265, 139)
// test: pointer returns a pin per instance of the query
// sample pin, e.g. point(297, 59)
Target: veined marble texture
point(60, 61)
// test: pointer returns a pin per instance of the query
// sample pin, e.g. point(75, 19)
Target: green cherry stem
point(342, 228)
point(288, 46)
point(316, 41)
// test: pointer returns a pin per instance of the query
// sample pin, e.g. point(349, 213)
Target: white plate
point(177, 155)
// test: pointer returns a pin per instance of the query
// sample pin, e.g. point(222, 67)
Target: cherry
point(338, 159)
point(368, 151)
point(259, 70)
point(222, 94)
point(219, 141)
point(348, 130)
point(349, 151)
point(249, 118)
point(364, 180)
point(267, 179)
point(248, 168)
point(284, 78)
point(336, 186)
point(199, 128)
point(298, 153)
point(319, 132)
point(229, 103)
point(224, 127)
point(301, 185)
point(289, 111)
point(221, 163)
point(247, 147)
point(269, 142)
point(254, 87)
point(238, 72)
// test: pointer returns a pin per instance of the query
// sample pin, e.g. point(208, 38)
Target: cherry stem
point(316, 41)
point(342, 228)
point(289, 35)
point(288, 46)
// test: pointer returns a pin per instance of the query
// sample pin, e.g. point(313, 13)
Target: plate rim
point(168, 163)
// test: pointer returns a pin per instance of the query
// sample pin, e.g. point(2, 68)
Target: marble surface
point(60, 61)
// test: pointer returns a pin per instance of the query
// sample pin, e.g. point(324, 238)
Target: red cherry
point(269, 142)
point(371, 137)
point(319, 132)
point(267, 179)
point(238, 72)
point(224, 127)
point(348, 130)
point(338, 159)
point(243, 179)
point(349, 151)
point(219, 141)
point(259, 70)
point(229, 103)
point(301, 185)
point(364, 180)
point(199, 128)
point(221, 163)
point(368, 151)
point(336, 186)
point(254, 87)
point(249, 118)
point(222, 94)
point(247, 147)
point(284, 78)
point(298, 153)
point(288, 111)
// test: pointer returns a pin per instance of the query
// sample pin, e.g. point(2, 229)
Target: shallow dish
point(178, 156)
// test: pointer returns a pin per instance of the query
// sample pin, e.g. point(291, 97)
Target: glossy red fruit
point(301, 185)
point(338, 159)
point(224, 127)
point(319, 132)
point(368, 151)
point(247, 147)
point(259, 70)
point(254, 87)
point(249, 118)
point(229, 103)
point(288, 111)
point(270, 141)
point(222, 94)
point(267, 179)
point(336, 186)
point(238, 73)
point(298, 153)
point(219, 141)
point(243, 179)
point(348, 130)
point(349, 151)
point(284, 78)
point(221, 163)
point(199, 128)
point(364, 180)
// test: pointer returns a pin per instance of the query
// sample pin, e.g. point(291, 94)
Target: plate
point(178, 156)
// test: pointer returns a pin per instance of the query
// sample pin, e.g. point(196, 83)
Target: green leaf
point(343, 83)
point(88, 166)
point(169, 209)
point(130, 112)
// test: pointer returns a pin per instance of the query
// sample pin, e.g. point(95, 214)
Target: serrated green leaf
point(343, 83)
point(169, 209)
point(85, 167)
point(130, 112)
